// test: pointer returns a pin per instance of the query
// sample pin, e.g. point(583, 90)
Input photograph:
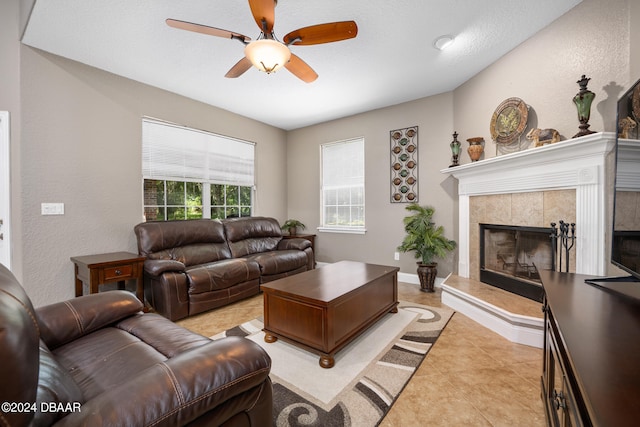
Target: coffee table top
point(329, 282)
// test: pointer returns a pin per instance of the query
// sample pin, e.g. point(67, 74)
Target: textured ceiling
point(391, 61)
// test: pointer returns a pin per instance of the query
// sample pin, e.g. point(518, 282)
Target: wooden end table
point(107, 268)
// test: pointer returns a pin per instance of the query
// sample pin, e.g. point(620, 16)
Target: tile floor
point(471, 377)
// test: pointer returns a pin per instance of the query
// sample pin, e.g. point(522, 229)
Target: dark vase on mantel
point(583, 100)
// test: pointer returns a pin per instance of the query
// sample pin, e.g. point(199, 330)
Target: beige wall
point(591, 39)
point(80, 145)
point(433, 116)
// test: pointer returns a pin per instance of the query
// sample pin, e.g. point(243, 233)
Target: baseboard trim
point(514, 327)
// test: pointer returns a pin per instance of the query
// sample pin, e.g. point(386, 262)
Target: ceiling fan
point(267, 53)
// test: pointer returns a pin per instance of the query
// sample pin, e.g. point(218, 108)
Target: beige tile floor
point(471, 377)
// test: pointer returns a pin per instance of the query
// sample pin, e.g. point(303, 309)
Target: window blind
point(343, 163)
point(179, 153)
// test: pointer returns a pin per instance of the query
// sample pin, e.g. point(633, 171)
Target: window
point(191, 174)
point(343, 186)
point(230, 201)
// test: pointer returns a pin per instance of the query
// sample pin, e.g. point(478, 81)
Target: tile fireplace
point(511, 255)
point(530, 190)
point(535, 187)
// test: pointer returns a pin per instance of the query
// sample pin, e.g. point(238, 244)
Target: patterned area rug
point(368, 375)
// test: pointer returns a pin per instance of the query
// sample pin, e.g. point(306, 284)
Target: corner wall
point(433, 116)
point(592, 39)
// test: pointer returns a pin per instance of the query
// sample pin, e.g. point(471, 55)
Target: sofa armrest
point(66, 321)
point(181, 389)
point(156, 267)
point(297, 243)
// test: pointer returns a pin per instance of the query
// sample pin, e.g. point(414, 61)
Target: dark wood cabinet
point(591, 369)
point(558, 396)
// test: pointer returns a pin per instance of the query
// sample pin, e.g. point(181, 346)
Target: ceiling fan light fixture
point(267, 55)
point(443, 42)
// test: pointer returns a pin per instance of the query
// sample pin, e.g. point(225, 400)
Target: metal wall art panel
point(404, 165)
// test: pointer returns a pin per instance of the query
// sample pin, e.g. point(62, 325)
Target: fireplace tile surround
point(568, 180)
point(532, 209)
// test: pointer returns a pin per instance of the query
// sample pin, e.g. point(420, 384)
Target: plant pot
point(293, 231)
point(427, 275)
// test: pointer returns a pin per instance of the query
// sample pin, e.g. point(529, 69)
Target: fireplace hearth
point(510, 257)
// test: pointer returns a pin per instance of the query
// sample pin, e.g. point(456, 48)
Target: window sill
point(343, 230)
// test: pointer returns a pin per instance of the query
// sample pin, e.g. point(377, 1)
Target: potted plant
point(427, 241)
point(292, 226)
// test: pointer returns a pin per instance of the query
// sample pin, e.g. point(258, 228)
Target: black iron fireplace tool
point(562, 240)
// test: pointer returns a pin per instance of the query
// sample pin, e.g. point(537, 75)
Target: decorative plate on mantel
point(509, 121)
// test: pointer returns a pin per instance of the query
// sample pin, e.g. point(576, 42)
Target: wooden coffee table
point(323, 310)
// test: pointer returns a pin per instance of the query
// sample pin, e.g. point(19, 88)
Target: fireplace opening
point(510, 257)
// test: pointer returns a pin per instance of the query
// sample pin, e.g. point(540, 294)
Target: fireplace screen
point(511, 255)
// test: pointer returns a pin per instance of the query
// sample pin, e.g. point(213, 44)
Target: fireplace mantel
point(578, 164)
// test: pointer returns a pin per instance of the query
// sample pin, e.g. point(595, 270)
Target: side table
point(107, 268)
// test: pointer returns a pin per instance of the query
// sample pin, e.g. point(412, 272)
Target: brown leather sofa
point(197, 265)
point(97, 360)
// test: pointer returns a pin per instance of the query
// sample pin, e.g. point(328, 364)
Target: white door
point(5, 199)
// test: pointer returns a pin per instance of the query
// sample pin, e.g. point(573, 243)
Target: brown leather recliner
point(97, 360)
point(197, 265)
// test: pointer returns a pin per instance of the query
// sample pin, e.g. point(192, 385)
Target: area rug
point(368, 375)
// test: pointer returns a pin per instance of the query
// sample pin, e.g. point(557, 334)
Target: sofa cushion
point(199, 253)
point(252, 235)
point(191, 242)
point(106, 358)
point(276, 262)
point(221, 275)
point(55, 386)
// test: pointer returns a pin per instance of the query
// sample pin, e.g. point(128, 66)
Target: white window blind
point(178, 153)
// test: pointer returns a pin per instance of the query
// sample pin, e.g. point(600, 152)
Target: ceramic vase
point(476, 148)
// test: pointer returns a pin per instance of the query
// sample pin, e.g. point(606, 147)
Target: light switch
point(52, 208)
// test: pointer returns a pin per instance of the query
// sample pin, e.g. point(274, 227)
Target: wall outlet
point(396, 256)
point(52, 208)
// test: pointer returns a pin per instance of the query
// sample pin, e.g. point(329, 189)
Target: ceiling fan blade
point(239, 69)
point(264, 10)
point(322, 33)
point(203, 29)
point(301, 69)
